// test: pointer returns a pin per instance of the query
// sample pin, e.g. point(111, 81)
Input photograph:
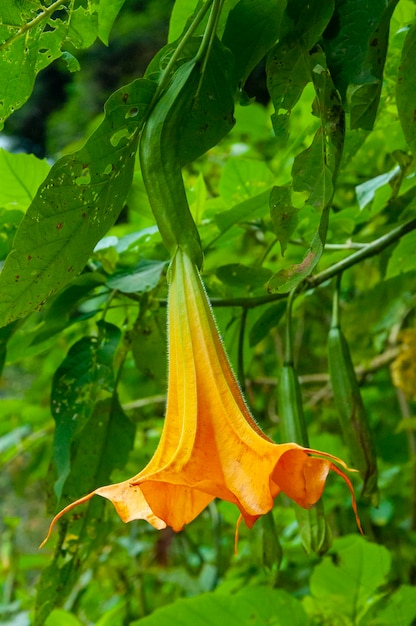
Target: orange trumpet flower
point(210, 447)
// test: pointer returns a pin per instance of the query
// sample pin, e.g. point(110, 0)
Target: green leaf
point(248, 39)
point(20, 175)
point(256, 605)
point(107, 13)
point(403, 258)
point(207, 116)
point(406, 89)
point(315, 169)
point(366, 191)
point(288, 64)
point(287, 279)
point(356, 43)
point(343, 586)
point(141, 278)
point(9, 223)
point(75, 206)
point(85, 372)
point(148, 344)
point(399, 609)
point(181, 11)
point(242, 179)
point(31, 37)
point(60, 617)
point(104, 445)
point(236, 274)
point(250, 209)
point(284, 215)
point(269, 319)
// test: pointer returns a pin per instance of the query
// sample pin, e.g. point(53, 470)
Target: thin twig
point(370, 250)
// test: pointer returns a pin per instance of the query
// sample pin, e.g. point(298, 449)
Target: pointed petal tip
point(61, 513)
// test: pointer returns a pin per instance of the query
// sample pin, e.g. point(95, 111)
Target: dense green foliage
point(315, 182)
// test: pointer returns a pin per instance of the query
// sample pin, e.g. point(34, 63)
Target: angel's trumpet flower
point(210, 447)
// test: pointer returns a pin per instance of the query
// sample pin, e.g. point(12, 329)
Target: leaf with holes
point(355, 43)
point(31, 38)
point(86, 370)
point(105, 444)
point(75, 206)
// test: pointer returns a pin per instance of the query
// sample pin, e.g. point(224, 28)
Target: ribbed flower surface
point(210, 446)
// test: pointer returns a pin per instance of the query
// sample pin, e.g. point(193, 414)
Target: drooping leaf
point(248, 39)
point(254, 207)
point(237, 274)
point(261, 605)
point(74, 207)
point(206, 97)
point(288, 65)
point(104, 445)
point(107, 13)
point(85, 372)
point(32, 36)
point(287, 279)
point(269, 319)
point(141, 278)
point(20, 175)
point(315, 169)
point(356, 43)
point(406, 89)
point(284, 215)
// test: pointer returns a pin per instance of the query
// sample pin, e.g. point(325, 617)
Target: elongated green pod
point(352, 414)
point(161, 169)
point(315, 533)
point(314, 530)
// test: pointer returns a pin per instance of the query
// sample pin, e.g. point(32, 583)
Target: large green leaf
point(86, 371)
point(249, 40)
point(75, 206)
point(32, 36)
point(104, 445)
point(253, 605)
point(288, 64)
point(204, 93)
point(20, 175)
point(343, 587)
point(406, 89)
point(356, 43)
point(315, 169)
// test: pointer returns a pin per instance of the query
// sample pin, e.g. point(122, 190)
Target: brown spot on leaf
point(59, 225)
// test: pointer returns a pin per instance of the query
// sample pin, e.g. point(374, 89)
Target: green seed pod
point(315, 532)
point(350, 407)
point(160, 167)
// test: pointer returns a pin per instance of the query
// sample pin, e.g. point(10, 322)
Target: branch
point(370, 250)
